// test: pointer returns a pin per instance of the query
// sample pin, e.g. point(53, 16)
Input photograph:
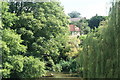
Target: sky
point(87, 8)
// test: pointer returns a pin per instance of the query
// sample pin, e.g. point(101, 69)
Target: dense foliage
point(95, 21)
point(100, 53)
point(34, 38)
point(14, 63)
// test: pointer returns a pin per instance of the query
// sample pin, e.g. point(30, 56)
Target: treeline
point(100, 54)
point(34, 39)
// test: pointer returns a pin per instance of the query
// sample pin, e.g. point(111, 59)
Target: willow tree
point(101, 48)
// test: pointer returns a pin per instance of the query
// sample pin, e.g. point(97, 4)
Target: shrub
point(23, 67)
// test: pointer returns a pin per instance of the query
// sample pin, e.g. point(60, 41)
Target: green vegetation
point(99, 57)
point(82, 24)
point(34, 38)
point(74, 14)
point(95, 21)
point(36, 41)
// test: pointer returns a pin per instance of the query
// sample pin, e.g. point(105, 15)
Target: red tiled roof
point(73, 28)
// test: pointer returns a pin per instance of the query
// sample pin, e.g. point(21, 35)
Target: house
point(74, 30)
point(75, 19)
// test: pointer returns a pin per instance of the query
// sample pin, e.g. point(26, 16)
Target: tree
point(19, 7)
point(8, 19)
point(35, 38)
point(74, 14)
point(25, 67)
point(42, 29)
point(11, 45)
point(95, 21)
point(99, 57)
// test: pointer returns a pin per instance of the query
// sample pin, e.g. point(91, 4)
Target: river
point(62, 75)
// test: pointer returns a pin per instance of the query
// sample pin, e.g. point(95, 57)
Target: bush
point(69, 66)
point(58, 68)
point(23, 67)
